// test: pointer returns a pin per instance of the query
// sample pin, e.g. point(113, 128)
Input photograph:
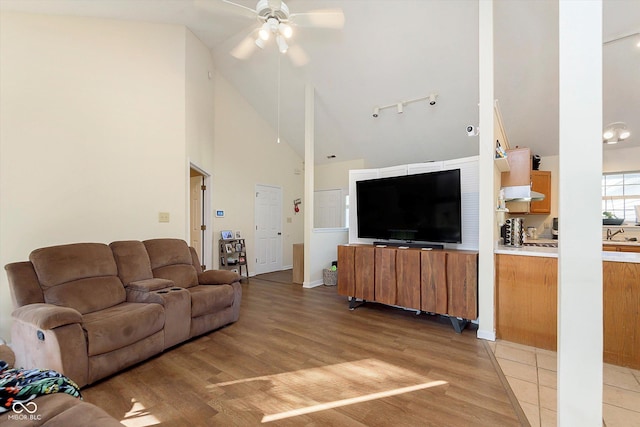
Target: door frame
point(207, 239)
point(255, 222)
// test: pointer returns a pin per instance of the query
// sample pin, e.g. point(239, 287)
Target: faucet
point(610, 234)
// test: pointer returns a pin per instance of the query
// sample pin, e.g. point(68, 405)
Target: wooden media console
point(439, 281)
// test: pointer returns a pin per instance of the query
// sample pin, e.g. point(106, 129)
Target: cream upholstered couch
point(88, 310)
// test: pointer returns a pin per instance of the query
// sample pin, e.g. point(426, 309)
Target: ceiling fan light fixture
point(260, 43)
point(285, 30)
point(282, 44)
point(264, 31)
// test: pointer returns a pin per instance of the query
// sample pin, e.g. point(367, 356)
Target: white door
point(268, 219)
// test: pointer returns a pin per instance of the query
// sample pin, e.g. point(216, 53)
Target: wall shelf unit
point(233, 255)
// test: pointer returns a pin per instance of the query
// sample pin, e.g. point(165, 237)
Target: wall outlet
point(163, 217)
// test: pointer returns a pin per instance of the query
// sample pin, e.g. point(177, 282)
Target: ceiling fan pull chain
point(278, 140)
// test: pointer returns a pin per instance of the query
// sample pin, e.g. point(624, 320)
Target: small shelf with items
point(233, 255)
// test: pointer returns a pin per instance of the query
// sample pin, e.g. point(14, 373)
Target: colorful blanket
point(24, 385)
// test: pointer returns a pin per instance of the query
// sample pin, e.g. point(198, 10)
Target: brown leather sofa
point(89, 310)
point(54, 410)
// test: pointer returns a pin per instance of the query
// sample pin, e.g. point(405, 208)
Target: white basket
point(329, 277)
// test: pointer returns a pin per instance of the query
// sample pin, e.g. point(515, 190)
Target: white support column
point(486, 273)
point(580, 240)
point(309, 148)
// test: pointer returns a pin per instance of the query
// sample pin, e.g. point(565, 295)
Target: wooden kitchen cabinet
point(526, 300)
point(541, 182)
point(621, 248)
point(521, 174)
point(526, 305)
point(519, 168)
point(620, 313)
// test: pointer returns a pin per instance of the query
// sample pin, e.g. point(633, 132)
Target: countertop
point(553, 253)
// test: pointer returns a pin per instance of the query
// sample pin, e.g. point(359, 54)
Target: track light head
point(400, 108)
point(432, 98)
point(376, 111)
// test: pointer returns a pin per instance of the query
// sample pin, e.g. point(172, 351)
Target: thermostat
point(219, 214)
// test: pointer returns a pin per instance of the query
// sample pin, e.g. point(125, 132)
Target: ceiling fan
point(276, 21)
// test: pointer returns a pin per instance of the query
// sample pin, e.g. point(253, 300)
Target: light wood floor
point(299, 357)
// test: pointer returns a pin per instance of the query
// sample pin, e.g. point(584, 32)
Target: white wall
point(324, 250)
point(199, 125)
point(246, 154)
point(334, 176)
point(621, 160)
point(92, 138)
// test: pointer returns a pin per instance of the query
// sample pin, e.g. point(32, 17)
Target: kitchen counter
point(553, 253)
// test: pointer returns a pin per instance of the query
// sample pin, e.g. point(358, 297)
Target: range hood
point(521, 193)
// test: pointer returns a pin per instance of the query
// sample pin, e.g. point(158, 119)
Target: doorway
point(198, 237)
point(268, 220)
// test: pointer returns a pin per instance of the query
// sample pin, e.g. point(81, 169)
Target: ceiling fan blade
point(245, 48)
point(225, 6)
point(323, 18)
point(298, 56)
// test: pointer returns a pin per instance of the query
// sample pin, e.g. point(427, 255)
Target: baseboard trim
point(313, 284)
point(486, 335)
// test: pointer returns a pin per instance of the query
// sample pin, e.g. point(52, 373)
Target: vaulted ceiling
point(391, 51)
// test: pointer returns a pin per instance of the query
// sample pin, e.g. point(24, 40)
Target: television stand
point(410, 245)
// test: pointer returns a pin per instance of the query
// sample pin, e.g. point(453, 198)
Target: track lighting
point(400, 105)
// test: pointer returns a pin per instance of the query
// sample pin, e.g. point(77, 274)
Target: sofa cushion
point(121, 325)
point(183, 276)
point(163, 252)
point(132, 260)
point(82, 276)
point(87, 295)
point(171, 259)
point(209, 299)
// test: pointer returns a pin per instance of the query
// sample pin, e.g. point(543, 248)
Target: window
point(620, 194)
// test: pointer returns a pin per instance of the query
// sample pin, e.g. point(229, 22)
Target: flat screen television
point(424, 207)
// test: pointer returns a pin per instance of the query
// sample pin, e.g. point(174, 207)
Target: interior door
point(268, 219)
point(195, 214)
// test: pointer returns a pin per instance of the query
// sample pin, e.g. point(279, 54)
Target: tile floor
point(531, 373)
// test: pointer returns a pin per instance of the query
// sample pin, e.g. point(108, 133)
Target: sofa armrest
point(47, 316)
point(150, 285)
point(218, 277)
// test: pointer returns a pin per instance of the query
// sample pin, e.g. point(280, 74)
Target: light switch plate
point(163, 217)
